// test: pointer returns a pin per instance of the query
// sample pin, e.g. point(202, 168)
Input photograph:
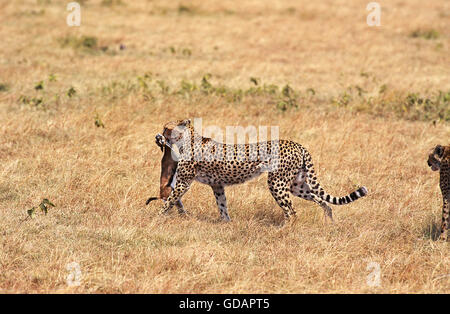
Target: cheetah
point(439, 159)
point(288, 164)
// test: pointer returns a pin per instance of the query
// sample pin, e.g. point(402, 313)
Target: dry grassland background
point(79, 108)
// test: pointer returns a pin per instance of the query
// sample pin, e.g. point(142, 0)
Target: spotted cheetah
point(439, 159)
point(289, 166)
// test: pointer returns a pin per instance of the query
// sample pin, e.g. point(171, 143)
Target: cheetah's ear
point(439, 150)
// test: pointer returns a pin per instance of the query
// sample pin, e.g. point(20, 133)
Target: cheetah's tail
point(362, 191)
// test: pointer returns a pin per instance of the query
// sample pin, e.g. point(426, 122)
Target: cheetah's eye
point(439, 151)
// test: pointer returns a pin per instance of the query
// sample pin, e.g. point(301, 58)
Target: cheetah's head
point(175, 131)
point(435, 158)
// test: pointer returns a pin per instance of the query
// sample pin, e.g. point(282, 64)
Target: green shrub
point(426, 34)
point(109, 3)
point(88, 44)
point(4, 87)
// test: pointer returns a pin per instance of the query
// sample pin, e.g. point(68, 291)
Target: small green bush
point(88, 44)
point(4, 87)
point(426, 34)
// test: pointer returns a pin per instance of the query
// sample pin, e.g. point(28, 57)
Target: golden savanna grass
point(60, 84)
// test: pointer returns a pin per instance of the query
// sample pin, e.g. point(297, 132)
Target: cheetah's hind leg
point(280, 192)
point(219, 193)
point(302, 190)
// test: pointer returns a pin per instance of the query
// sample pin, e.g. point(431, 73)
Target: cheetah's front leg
point(175, 197)
point(219, 193)
point(182, 186)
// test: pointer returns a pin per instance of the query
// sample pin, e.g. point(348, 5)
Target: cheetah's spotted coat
point(291, 173)
point(439, 159)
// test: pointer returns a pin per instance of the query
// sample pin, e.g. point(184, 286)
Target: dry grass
point(99, 178)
